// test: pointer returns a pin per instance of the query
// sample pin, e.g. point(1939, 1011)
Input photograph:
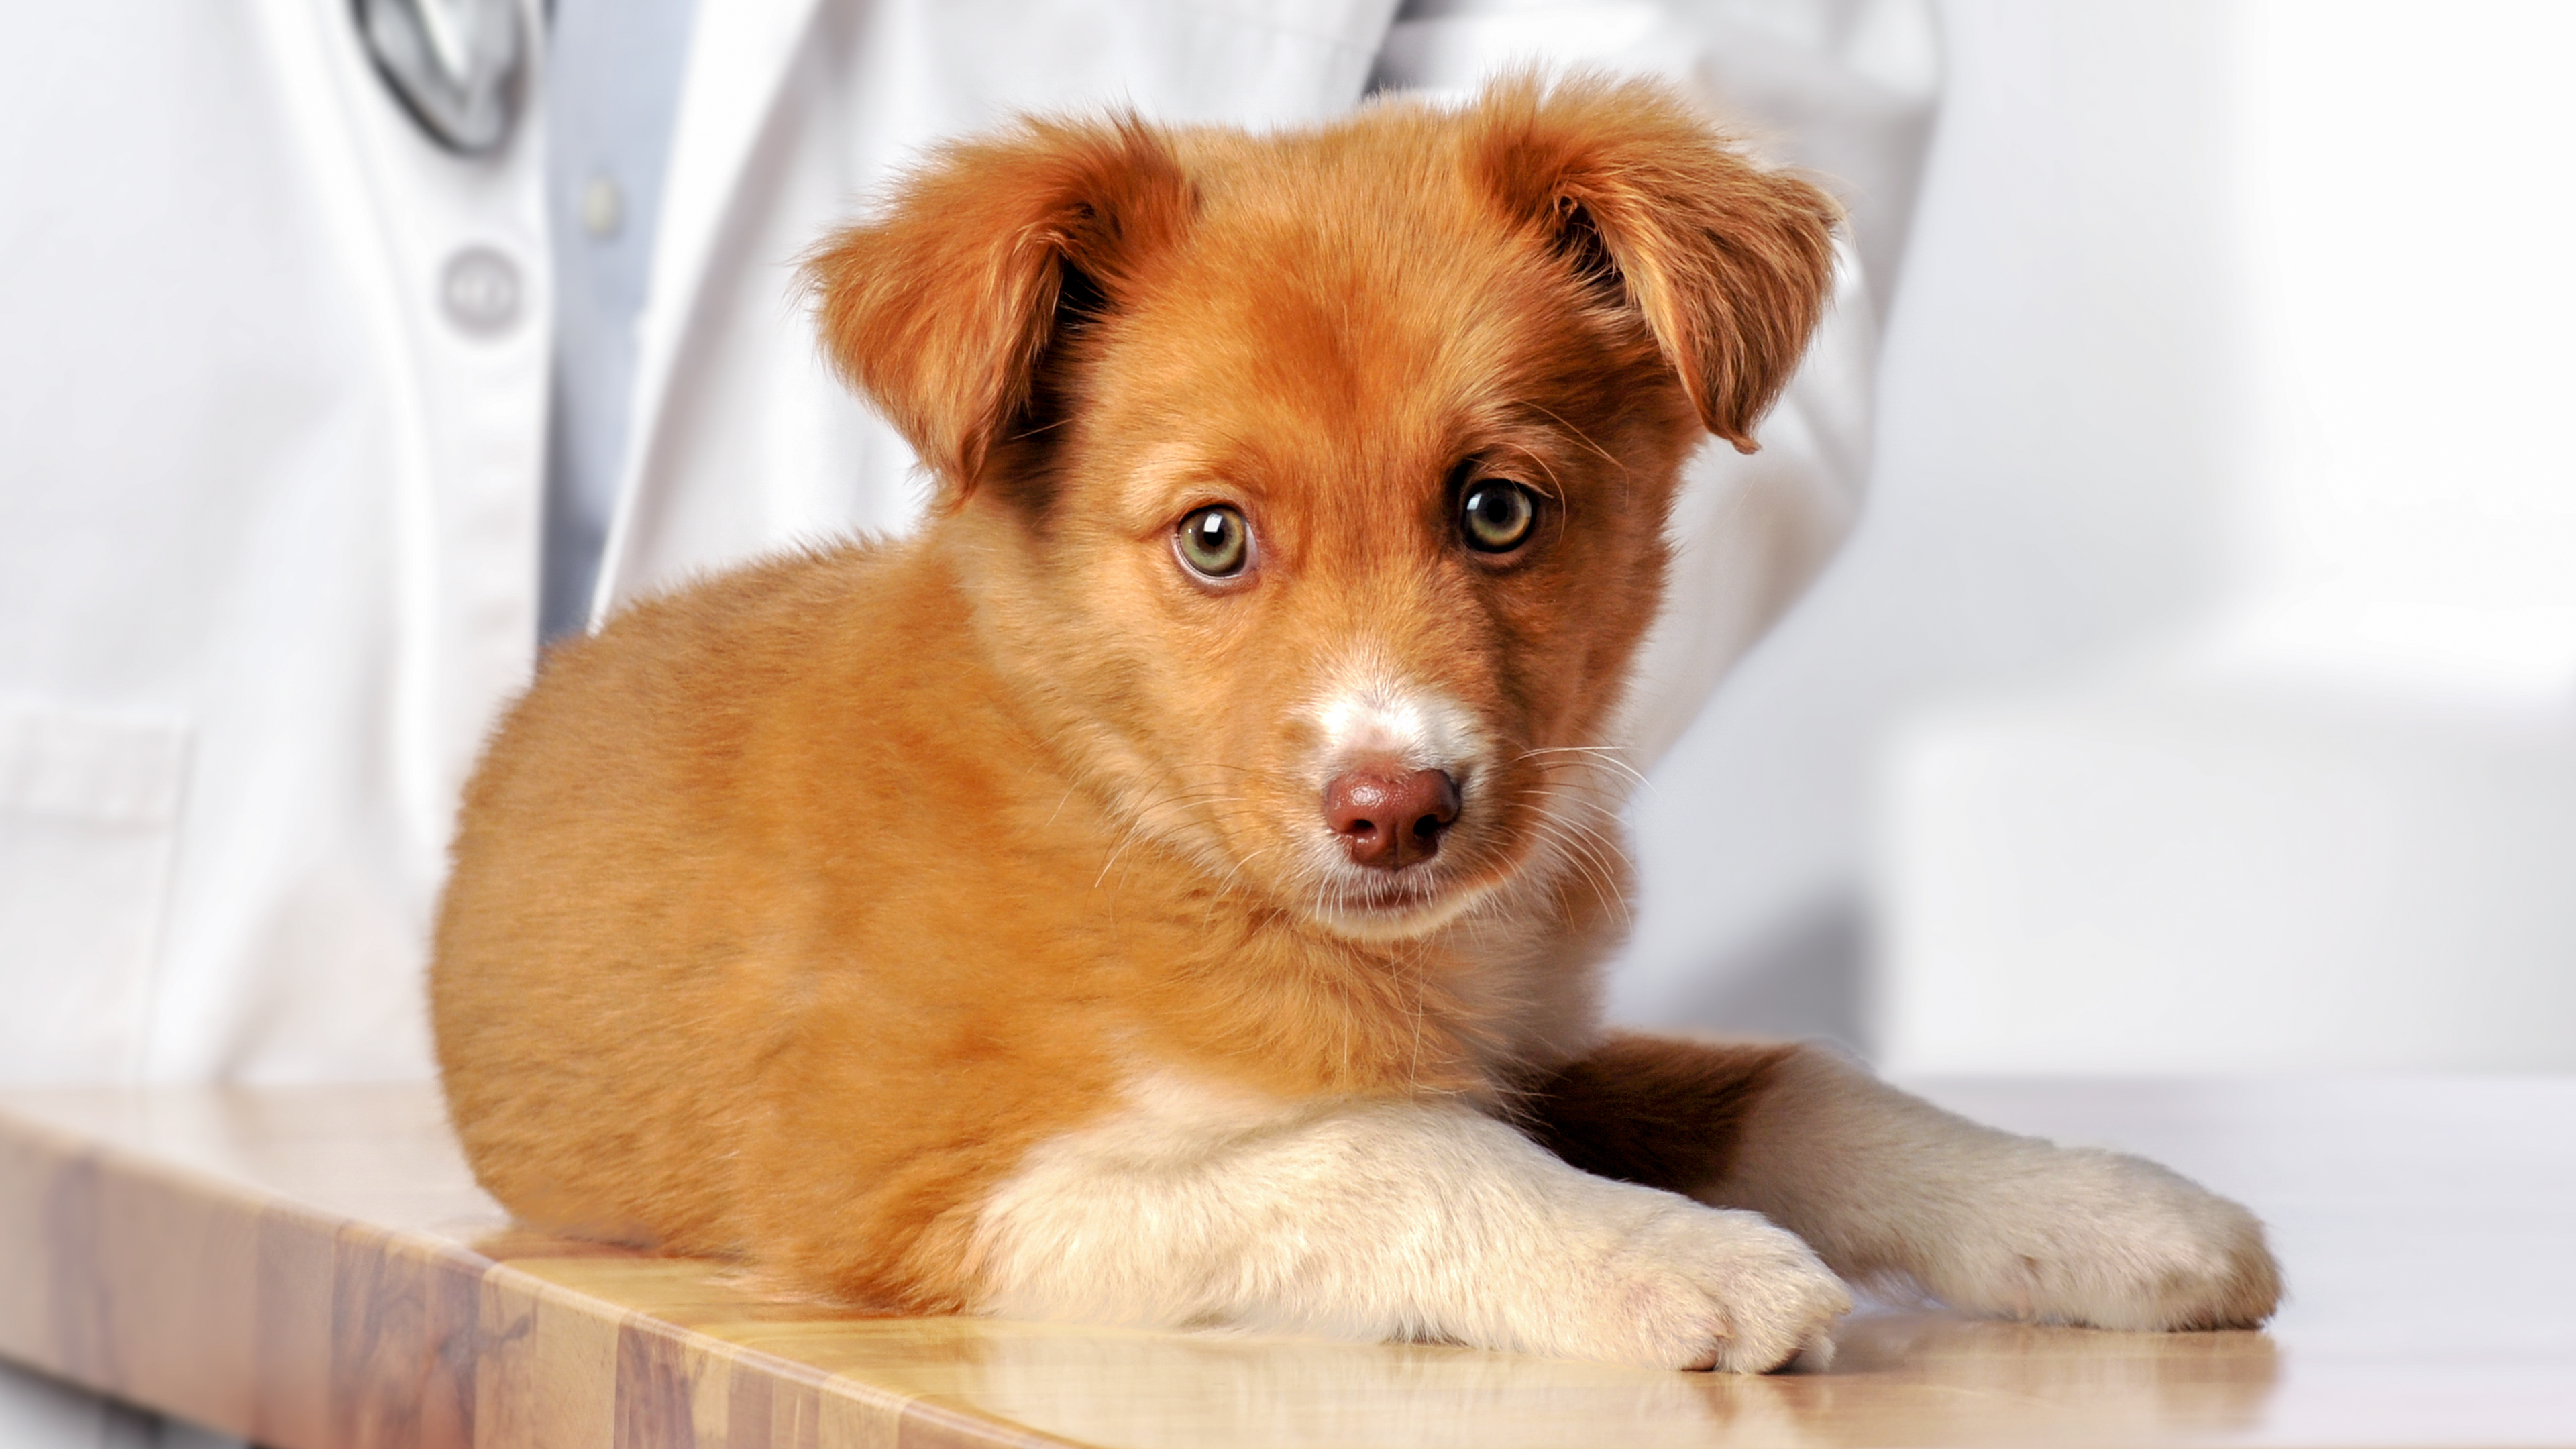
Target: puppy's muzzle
point(1390, 818)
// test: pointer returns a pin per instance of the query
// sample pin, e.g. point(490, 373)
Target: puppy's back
point(599, 989)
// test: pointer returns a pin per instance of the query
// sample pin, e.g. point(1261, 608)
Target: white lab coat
point(269, 514)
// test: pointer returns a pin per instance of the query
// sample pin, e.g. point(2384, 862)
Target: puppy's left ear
point(1729, 265)
point(942, 310)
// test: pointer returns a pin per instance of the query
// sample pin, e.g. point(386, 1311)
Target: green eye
point(1496, 515)
point(1215, 542)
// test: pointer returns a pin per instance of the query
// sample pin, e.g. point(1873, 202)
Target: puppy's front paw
point(1696, 1288)
point(2108, 1241)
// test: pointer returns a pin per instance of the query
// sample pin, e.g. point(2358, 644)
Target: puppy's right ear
point(940, 310)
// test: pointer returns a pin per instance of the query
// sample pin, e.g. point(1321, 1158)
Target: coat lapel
point(739, 56)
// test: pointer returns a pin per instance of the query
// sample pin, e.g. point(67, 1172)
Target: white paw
point(1697, 1288)
point(2096, 1238)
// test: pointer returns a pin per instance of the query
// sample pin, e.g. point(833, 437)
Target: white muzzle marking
point(1378, 720)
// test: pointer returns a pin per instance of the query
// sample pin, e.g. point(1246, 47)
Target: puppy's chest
point(1150, 967)
point(1211, 988)
point(1056, 929)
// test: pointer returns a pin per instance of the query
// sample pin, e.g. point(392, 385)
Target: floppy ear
point(1728, 264)
point(940, 310)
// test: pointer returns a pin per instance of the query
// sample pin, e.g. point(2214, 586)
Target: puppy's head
point(1317, 484)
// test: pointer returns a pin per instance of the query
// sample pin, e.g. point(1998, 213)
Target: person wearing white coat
point(275, 385)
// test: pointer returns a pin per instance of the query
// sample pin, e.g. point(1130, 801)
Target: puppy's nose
point(1388, 819)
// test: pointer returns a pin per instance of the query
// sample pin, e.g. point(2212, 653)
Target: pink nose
point(1388, 818)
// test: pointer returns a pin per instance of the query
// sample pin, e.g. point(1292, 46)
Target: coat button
point(479, 291)
point(603, 207)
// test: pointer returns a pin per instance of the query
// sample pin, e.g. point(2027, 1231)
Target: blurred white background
point(2199, 690)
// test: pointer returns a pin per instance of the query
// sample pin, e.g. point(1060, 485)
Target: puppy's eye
point(1214, 542)
point(1497, 515)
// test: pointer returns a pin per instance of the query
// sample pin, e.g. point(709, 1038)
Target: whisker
point(1586, 859)
point(1602, 754)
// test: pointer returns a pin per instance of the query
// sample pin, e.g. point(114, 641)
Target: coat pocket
point(89, 811)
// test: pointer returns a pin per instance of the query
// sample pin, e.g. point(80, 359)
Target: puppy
point(1168, 889)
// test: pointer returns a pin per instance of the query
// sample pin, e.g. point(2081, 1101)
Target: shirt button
point(479, 291)
point(603, 207)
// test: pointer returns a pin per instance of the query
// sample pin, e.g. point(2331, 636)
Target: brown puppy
point(1168, 889)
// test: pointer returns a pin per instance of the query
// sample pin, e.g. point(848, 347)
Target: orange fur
point(792, 910)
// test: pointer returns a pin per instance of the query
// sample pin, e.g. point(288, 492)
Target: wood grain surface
point(314, 1267)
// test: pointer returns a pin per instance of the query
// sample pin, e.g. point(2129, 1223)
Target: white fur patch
point(1886, 1184)
point(1197, 1206)
point(1370, 716)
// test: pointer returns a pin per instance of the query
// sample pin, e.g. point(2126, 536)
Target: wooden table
point(314, 1267)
